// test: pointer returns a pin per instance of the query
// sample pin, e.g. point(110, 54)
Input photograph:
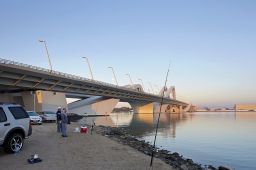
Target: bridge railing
point(66, 75)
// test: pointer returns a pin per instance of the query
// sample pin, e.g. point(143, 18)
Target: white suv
point(14, 127)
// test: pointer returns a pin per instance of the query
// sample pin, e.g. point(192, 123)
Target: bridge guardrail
point(66, 75)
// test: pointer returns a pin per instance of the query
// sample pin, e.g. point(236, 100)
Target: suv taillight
point(30, 129)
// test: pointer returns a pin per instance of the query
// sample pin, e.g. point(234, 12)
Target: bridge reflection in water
point(143, 123)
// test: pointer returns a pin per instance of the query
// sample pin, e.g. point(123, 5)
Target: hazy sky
point(211, 43)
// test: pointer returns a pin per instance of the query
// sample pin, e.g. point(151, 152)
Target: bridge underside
point(17, 78)
point(50, 101)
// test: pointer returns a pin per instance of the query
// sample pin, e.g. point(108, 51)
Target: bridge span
point(22, 78)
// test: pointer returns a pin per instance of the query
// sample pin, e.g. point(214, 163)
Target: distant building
point(201, 110)
point(193, 108)
point(245, 107)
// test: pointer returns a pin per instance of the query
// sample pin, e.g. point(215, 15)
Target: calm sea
point(225, 138)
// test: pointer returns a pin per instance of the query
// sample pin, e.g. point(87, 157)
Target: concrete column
point(104, 107)
point(30, 101)
point(95, 105)
point(50, 101)
point(164, 108)
point(148, 108)
point(6, 98)
point(180, 109)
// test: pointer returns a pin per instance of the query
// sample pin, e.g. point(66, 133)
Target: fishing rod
point(154, 146)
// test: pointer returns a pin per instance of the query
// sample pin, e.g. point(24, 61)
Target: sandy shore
point(78, 151)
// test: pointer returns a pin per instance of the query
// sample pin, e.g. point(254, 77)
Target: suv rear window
point(18, 112)
point(2, 115)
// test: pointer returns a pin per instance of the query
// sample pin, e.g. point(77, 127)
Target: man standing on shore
point(58, 119)
point(64, 121)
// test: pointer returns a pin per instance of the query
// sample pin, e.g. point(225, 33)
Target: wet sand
point(77, 151)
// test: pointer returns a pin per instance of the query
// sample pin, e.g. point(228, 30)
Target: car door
point(4, 125)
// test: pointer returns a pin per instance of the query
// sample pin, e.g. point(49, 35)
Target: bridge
point(26, 84)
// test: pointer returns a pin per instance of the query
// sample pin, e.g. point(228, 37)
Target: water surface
point(225, 138)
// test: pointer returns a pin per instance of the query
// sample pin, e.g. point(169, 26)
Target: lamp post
point(142, 84)
point(151, 87)
point(49, 60)
point(114, 74)
point(129, 78)
point(90, 69)
point(157, 89)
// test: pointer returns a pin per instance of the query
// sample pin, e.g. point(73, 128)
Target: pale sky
point(211, 44)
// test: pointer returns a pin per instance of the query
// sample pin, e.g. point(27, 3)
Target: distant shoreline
point(226, 111)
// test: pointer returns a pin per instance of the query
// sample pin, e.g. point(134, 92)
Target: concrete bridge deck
point(17, 77)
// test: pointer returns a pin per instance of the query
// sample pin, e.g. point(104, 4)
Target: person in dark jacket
point(64, 121)
point(58, 119)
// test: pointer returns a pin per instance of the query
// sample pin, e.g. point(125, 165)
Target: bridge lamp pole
point(151, 87)
point(157, 88)
point(129, 78)
point(142, 84)
point(114, 74)
point(90, 69)
point(49, 60)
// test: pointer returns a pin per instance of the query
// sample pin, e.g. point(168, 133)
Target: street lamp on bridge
point(142, 84)
point(49, 60)
point(129, 78)
point(90, 69)
point(151, 87)
point(157, 89)
point(114, 74)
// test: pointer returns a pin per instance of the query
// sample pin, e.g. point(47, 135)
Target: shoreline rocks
point(175, 160)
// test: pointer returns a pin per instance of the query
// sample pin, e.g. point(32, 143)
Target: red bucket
point(83, 129)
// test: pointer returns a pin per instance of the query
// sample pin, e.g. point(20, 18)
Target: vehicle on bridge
point(15, 126)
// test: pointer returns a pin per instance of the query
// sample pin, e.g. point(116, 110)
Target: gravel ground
point(77, 151)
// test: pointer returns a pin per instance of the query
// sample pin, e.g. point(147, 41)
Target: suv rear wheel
point(14, 143)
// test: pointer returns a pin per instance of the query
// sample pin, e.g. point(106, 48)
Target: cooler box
point(83, 129)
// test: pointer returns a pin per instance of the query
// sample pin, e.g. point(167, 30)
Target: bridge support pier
point(148, 108)
point(7, 98)
point(142, 107)
point(155, 108)
point(168, 108)
point(37, 101)
point(49, 101)
point(181, 109)
point(174, 109)
point(95, 105)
